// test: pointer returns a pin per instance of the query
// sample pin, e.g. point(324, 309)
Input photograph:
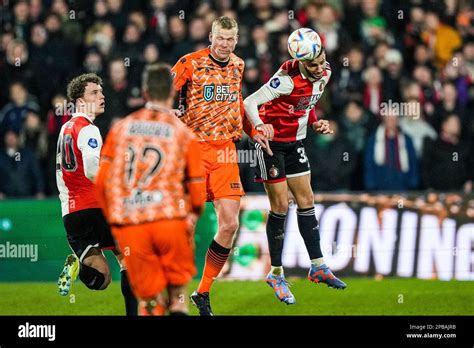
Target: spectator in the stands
point(252, 80)
point(449, 105)
point(332, 159)
point(132, 45)
point(198, 31)
point(411, 120)
point(62, 49)
point(423, 56)
point(21, 24)
point(117, 15)
point(34, 136)
point(373, 91)
point(20, 174)
point(117, 93)
point(280, 55)
point(390, 159)
point(260, 49)
point(93, 62)
point(14, 113)
point(43, 64)
point(356, 124)
point(102, 36)
point(413, 29)
point(330, 30)
point(18, 66)
point(392, 75)
point(179, 44)
point(447, 163)
point(442, 39)
point(256, 13)
point(373, 27)
point(71, 27)
point(460, 72)
point(347, 83)
point(36, 11)
point(429, 97)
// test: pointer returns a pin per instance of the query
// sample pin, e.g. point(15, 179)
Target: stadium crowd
point(400, 100)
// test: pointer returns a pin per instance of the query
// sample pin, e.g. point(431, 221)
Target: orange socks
point(216, 257)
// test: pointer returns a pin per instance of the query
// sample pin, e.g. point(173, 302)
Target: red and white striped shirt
point(288, 100)
point(77, 162)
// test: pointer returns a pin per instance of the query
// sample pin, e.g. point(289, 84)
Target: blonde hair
point(225, 23)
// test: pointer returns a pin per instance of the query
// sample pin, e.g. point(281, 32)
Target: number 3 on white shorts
point(302, 153)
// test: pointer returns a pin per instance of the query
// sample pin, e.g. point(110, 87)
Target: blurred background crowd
point(401, 96)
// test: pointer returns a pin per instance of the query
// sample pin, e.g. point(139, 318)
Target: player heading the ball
point(287, 104)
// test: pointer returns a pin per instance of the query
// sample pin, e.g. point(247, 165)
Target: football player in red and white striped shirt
point(77, 163)
point(287, 103)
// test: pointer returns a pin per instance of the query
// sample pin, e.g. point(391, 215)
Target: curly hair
point(77, 86)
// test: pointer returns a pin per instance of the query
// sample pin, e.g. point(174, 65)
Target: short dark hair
point(157, 81)
point(77, 86)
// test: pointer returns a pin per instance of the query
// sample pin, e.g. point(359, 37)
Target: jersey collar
point(81, 114)
point(156, 107)
point(218, 62)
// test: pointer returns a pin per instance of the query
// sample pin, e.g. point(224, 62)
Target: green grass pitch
point(364, 296)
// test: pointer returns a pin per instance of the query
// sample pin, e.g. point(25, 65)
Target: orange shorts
point(156, 254)
point(222, 171)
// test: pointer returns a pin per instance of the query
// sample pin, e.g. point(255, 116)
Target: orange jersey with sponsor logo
point(210, 94)
point(149, 162)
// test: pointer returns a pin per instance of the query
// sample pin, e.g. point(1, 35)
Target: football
point(304, 44)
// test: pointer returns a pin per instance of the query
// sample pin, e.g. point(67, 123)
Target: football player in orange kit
point(209, 82)
point(150, 180)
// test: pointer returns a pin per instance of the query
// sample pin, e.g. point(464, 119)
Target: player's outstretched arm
point(251, 104)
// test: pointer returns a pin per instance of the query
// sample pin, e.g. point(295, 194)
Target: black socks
point(276, 236)
point(309, 229)
point(131, 303)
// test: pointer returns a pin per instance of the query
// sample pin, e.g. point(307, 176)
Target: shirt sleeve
point(89, 142)
point(280, 84)
point(182, 72)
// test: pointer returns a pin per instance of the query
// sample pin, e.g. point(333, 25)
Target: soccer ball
point(304, 44)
